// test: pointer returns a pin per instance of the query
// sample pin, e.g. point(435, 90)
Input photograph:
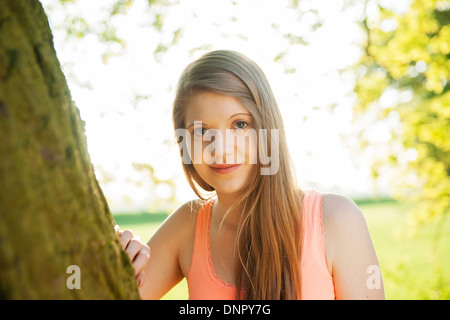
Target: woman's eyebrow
point(242, 113)
point(192, 124)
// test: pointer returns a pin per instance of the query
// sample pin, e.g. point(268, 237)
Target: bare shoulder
point(176, 234)
point(178, 227)
point(349, 249)
point(340, 213)
point(187, 211)
point(170, 245)
point(182, 220)
point(343, 224)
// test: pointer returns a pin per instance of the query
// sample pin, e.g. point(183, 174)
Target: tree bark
point(52, 211)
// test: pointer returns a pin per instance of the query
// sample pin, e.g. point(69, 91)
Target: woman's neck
point(222, 204)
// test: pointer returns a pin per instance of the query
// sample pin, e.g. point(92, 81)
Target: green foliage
point(409, 53)
point(77, 26)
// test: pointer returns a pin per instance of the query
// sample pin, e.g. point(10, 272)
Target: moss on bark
point(52, 211)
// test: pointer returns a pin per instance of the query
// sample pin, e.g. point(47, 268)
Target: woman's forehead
point(213, 106)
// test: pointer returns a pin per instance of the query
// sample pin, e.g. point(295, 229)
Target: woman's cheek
point(196, 150)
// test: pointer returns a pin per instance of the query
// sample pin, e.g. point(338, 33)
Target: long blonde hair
point(269, 234)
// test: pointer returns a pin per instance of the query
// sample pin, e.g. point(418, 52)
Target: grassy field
point(414, 266)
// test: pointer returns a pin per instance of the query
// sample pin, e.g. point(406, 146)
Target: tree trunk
point(52, 211)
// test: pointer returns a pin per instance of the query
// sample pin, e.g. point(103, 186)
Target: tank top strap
point(312, 208)
point(312, 219)
point(317, 282)
point(201, 238)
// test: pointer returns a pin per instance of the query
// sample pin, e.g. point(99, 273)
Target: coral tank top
point(316, 280)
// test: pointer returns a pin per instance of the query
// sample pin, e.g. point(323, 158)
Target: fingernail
point(138, 280)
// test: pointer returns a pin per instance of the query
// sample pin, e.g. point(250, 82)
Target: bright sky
point(122, 130)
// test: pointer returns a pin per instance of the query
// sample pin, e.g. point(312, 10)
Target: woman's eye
point(241, 125)
point(200, 131)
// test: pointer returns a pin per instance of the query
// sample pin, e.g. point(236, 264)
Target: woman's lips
point(225, 168)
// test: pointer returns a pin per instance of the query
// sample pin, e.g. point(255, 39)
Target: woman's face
point(223, 141)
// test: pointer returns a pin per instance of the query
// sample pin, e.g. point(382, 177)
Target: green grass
point(414, 266)
point(415, 263)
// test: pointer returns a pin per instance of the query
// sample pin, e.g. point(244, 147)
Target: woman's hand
point(138, 252)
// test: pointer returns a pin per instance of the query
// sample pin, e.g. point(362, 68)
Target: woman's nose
point(222, 149)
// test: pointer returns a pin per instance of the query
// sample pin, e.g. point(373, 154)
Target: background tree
point(403, 78)
point(52, 210)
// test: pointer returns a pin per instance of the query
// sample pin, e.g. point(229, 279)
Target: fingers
point(130, 243)
point(133, 248)
point(138, 253)
point(140, 279)
point(141, 259)
point(140, 263)
point(125, 238)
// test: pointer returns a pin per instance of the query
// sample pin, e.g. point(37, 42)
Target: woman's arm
point(168, 245)
point(161, 270)
point(349, 249)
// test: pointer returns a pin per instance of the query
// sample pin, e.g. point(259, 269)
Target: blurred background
point(363, 87)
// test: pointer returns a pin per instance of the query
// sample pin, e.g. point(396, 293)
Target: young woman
point(253, 233)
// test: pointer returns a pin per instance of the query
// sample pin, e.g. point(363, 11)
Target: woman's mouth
point(225, 168)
